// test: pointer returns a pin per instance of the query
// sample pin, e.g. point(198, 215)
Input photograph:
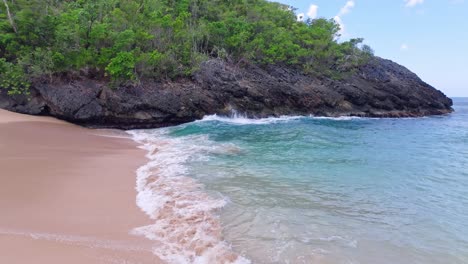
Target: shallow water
point(322, 190)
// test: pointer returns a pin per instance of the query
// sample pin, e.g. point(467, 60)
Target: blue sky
point(430, 37)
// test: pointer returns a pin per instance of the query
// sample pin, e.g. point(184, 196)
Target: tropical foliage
point(128, 40)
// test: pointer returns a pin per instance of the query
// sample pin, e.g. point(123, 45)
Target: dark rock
point(382, 88)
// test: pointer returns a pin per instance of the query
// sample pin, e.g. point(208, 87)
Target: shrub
point(13, 78)
point(122, 67)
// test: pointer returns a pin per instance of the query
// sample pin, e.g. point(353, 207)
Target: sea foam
point(186, 226)
point(236, 118)
point(240, 119)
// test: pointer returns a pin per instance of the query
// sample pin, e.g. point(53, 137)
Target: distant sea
point(318, 190)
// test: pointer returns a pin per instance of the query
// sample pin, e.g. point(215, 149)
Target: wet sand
point(67, 194)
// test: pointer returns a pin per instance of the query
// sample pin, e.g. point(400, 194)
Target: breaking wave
point(186, 226)
point(241, 119)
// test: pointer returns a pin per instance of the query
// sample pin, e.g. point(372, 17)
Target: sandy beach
point(67, 194)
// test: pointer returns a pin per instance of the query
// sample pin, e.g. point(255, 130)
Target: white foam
point(340, 118)
point(348, 118)
point(186, 225)
point(241, 119)
point(238, 119)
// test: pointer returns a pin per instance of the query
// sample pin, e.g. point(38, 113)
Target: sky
point(429, 37)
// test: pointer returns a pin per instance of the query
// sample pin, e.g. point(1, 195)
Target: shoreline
point(186, 224)
point(68, 194)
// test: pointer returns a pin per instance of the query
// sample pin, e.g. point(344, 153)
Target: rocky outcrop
point(382, 88)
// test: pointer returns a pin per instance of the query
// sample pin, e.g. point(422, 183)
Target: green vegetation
point(128, 40)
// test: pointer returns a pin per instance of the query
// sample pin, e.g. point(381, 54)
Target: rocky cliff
point(382, 88)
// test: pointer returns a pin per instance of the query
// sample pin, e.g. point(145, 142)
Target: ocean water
point(308, 190)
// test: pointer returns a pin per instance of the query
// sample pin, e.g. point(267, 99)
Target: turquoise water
point(345, 190)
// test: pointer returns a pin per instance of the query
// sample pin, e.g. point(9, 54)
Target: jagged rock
point(382, 88)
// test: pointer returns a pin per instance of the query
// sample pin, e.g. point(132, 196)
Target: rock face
point(380, 89)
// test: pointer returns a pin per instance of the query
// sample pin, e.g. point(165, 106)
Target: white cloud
point(411, 3)
point(404, 47)
point(300, 17)
point(340, 22)
point(346, 8)
point(343, 11)
point(312, 13)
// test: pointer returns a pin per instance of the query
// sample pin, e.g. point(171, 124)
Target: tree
point(122, 66)
point(157, 39)
point(10, 17)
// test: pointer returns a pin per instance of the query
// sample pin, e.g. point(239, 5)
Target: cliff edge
point(381, 88)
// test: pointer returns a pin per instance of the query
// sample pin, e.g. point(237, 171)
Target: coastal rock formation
point(382, 88)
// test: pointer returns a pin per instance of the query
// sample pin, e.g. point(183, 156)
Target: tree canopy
point(129, 40)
